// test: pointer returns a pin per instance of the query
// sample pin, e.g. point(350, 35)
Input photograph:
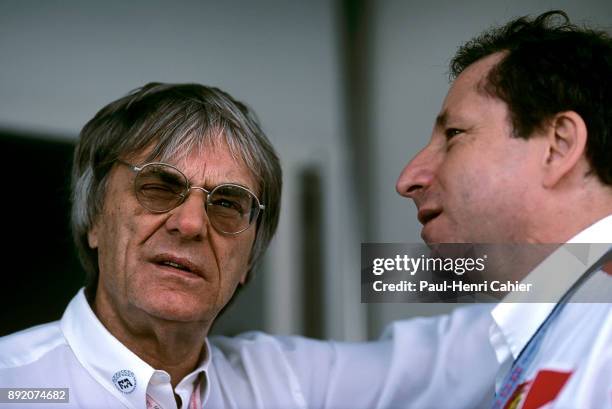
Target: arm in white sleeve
point(439, 362)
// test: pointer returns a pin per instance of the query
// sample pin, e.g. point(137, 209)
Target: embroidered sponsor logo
point(125, 381)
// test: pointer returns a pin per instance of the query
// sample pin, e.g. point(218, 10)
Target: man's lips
point(177, 263)
point(426, 215)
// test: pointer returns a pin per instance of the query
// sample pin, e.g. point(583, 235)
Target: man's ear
point(566, 145)
point(246, 275)
point(92, 236)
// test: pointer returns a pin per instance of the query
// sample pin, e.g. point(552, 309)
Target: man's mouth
point(177, 263)
point(427, 215)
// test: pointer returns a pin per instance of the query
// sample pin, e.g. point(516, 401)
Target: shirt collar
point(110, 362)
point(517, 317)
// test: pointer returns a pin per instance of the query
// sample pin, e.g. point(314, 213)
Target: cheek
point(120, 234)
point(111, 248)
point(473, 188)
point(488, 195)
point(234, 261)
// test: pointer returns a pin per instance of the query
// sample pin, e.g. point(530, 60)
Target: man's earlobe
point(92, 236)
point(567, 137)
point(245, 276)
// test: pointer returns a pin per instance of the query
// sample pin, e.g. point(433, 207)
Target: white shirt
point(441, 362)
point(573, 366)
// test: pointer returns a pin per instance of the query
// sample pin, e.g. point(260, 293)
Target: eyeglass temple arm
point(129, 165)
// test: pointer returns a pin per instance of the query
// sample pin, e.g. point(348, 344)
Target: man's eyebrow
point(169, 177)
point(442, 120)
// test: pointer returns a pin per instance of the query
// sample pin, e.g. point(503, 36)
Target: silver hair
point(173, 120)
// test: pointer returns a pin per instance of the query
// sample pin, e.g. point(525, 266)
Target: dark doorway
point(40, 270)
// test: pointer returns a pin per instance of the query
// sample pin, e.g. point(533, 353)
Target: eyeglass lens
point(161, 188)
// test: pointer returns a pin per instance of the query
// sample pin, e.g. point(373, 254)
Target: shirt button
point(160, 377)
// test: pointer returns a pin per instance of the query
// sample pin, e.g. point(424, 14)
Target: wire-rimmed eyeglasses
point(160, 187)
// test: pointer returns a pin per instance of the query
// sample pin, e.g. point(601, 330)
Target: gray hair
point(174, 119)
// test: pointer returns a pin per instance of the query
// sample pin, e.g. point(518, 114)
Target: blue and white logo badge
point(125, 381)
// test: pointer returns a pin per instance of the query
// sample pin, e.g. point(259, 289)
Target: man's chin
point(430, 236)
point(176, 307)
point(434, 233)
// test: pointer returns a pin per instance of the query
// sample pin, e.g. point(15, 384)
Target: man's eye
point(159, 189)
point(228, 204)
point(451, 132)
point(225, 203)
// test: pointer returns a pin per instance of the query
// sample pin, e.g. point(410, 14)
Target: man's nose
point(418, 174)
point(190, 219)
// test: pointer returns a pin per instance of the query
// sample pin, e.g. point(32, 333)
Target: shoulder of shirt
point(29, 345)
point(259, 346)
point(462, 319)
point(256, 340)
point(472, 316)
point(271, 355)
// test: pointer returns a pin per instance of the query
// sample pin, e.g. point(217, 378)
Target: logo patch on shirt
point(125, 381)
point(545, 388)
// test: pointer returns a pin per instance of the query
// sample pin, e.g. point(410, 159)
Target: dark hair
point(550, 66)
point(172, 119)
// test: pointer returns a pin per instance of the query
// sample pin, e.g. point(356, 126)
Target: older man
point(176, 197)
point(521, 152)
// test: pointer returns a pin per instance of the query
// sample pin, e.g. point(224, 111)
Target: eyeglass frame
point(185, 194)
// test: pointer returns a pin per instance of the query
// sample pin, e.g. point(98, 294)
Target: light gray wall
point(413, 42)
point(63, 60)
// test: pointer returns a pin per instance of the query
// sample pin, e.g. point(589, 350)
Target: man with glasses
point(176, 195)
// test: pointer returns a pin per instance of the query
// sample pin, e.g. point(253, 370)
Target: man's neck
point(175, 347)
point(561, 224)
